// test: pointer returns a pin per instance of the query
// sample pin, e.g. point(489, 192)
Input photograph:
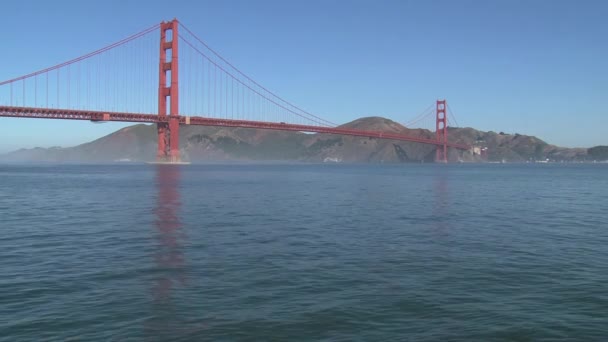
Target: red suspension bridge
point(118, 83)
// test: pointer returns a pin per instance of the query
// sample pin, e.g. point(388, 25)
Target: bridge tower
point(168, 127)
point(441, 129)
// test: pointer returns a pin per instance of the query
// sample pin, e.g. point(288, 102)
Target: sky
point(527, 67)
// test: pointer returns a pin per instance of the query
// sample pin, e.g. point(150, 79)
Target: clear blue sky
point(529, 67)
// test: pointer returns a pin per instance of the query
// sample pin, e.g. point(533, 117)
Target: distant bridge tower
point(441, 129)
point(168, 128)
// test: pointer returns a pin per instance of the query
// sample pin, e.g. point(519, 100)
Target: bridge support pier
point(441, 129)
point(168, 126)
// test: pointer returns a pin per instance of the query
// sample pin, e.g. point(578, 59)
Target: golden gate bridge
point(137, 79)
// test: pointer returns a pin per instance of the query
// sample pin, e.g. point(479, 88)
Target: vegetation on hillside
point(199, 143)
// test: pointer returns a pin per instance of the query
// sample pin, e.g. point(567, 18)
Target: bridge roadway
point(97, 116)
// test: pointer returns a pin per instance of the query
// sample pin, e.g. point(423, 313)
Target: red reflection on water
point(441, 205)
point(169, 257)
point(165, 322)
point(168, 322)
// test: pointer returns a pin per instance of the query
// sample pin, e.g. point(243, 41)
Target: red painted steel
point(441, 131)
point(81, 58)
point(72, 114)
point(162, 127)
point(168, 118)
point(168, 131)
point(282, 102)
point(67, 114)
point(174, 120)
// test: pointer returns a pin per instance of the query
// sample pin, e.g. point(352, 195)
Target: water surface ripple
point(304, 252)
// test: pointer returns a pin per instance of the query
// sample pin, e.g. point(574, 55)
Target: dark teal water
point(304, 252)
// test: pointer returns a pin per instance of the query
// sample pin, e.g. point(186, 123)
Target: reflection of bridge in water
point(166, 322)
point(169, 257)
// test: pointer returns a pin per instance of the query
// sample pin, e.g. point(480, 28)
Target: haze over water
point(304, 252)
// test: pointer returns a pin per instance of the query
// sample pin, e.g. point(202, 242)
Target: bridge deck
point(70, 114)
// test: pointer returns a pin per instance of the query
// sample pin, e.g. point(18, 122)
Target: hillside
point(515, 147)
point(199, 143)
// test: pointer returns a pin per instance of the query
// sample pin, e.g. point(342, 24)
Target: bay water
point(301, 252)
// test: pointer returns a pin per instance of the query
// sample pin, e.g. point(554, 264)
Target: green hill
point(200, 143)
